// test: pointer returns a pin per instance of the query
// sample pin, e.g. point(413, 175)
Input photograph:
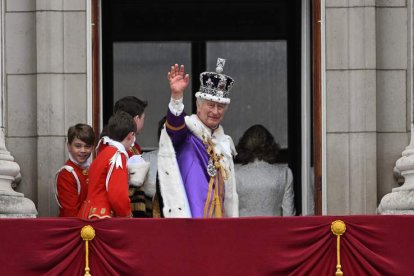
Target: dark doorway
point(261, 41)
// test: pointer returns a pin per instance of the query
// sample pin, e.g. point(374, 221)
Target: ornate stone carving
point(12, 203)
point(401, 200)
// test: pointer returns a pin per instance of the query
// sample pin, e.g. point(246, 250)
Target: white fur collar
point(224, 143)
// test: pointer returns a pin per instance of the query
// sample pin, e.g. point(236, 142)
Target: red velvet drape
point(371, 245)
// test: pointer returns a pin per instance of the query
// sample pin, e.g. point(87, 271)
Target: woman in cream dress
point(264, 187)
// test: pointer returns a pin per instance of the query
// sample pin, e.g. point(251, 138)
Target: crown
point(215, 86)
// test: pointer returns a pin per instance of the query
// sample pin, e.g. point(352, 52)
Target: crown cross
point(220, 65)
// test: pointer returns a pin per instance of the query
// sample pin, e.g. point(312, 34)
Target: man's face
point(139, 121)
point(210, 113)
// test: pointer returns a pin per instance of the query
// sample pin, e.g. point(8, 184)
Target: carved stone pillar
point(12, 203)
point(401, 200)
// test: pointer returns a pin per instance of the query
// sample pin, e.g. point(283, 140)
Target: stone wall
point(367, 100)
point(46, 88)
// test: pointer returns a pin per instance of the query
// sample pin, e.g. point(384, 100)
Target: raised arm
point(175, 124)
point(178, 81)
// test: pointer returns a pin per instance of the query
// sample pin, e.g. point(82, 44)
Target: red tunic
point(71, 188)
point(141, 205)
point(108, 186)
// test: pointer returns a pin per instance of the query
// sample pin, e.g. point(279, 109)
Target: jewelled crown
point(215, 86)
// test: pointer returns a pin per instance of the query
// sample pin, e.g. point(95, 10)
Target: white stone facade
point(368, 88)
point(368, 79)
point(46, 88)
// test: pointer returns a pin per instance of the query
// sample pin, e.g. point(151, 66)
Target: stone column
point(12, 204)
point(401, 200)
point(351, 95)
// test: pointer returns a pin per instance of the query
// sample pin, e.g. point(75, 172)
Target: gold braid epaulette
point(173, 127)
point(134, 150)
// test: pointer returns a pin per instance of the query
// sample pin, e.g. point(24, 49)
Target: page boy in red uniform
point(140, 196)
point(108, 173)
point(72, 179)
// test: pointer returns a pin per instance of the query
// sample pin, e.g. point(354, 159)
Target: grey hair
point(201, 100)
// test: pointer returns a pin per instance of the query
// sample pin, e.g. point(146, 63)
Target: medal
point(211, 169)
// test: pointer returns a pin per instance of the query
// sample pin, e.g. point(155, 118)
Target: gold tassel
point(210, 188)
point(338, 228)
point(87, 234)
point(217, 207)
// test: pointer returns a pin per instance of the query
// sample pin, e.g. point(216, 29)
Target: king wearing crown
point(195, 159)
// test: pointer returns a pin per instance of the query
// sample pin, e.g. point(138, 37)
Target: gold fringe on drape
point(338, 228)
point(87, 234)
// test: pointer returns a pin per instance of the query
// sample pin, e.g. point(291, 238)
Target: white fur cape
point(171, 184)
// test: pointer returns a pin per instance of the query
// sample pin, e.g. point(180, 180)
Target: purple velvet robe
point(192, 160)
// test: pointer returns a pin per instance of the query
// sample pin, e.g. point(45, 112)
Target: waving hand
point(178, 81)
